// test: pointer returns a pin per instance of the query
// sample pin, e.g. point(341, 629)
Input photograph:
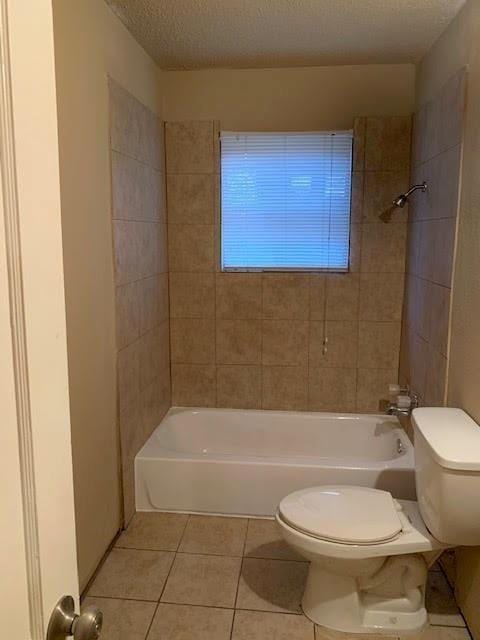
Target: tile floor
point(180, 577)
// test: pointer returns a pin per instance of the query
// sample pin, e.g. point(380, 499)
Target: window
point(285, 201)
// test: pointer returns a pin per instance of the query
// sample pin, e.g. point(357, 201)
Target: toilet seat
point(343, 514)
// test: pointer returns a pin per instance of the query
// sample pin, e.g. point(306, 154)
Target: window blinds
point(285, 200)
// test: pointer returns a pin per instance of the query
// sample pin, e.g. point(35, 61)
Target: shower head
point(402, 199)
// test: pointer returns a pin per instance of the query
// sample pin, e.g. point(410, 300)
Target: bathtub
point(236, 462)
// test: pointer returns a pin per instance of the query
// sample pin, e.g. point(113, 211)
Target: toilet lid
point(350, 515)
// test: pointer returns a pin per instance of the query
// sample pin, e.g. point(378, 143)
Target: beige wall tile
point(154, 353)
point(418, 137)
point(185, 622)
point(189, 147)
point(439, 317)
point(436, 378)
point(359, 130)
point(128, 375)
point(284, 388)
point(191, 199)
point(286, 296)
point(152, 301)
point(372, 386)
point(193, 385)
point(387, 144)
point(357, 202)
point(126, 252)
point(192, 295)
point(154, 404)
point(131, 433)
point(443, 180)
point(418, 363)
point(331, 389)
point(150, 237)
point(239, 341)
point(203, 580)
point(341, 348)
point(381, 296)
point(379, 344)
point(127, 313)
point(129, 123)
point(128, 486)
point(258, 625)
point(284, 342)
point(356, 232)
point(137, 190)
point(192, 341)
point(383, 248)
point(342, 296)
point(239, 295)
point(239, 386)
point(381, 187)
point(426, 249)
point(190, 247)
point(444, 248)
point(317, 296)
point(452, 110)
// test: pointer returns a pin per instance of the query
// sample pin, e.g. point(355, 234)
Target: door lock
point(65, 622)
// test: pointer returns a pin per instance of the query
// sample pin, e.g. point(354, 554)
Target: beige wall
point(87, 237)
point(141, 278)
point(458, 46)
point(436, 158)
point(255, 340)
point(288, 99)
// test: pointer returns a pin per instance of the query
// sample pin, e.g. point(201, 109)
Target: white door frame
point(38, 550)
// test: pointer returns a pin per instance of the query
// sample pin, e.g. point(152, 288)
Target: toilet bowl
point(369, 557)
point(369, 553)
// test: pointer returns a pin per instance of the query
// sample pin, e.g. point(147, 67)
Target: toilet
point(370, 553)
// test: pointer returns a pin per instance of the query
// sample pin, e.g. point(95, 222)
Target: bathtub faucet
point(404, 401)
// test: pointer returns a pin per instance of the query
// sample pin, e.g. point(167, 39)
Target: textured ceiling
point(192, 34)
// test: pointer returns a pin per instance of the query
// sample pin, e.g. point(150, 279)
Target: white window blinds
point(285, 200)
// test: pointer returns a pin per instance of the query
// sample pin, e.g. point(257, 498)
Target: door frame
point(35, 456)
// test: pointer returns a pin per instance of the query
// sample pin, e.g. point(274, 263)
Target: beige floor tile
point(440, 602)
point(217, 535)
point(206, 580)
point(156, 531)
point(123, 619)
point(134, 574)
point(442, 633)
point(264, 541)
point(184, 622)
point(321, 633)
point(258, 625)
point(271, 585)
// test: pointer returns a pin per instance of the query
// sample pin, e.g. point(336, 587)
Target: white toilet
point(369, 552)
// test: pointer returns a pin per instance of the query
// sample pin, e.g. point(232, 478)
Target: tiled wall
point(141, 276)
point(436, 158)
point(253, 340)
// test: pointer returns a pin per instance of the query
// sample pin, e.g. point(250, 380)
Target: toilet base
point(335, 601)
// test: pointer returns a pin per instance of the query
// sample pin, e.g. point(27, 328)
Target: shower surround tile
point(141, 279)
point(269, 325)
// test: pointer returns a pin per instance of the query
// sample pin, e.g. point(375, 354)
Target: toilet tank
point(447, 473)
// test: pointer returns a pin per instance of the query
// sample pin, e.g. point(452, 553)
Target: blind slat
point(285, 200)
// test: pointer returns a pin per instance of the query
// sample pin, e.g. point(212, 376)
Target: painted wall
point(87, 238)
point(255, 340)
point(289, 99)
point(141, 277)
point(458, 46)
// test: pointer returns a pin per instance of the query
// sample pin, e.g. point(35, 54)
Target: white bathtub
point(240, 462)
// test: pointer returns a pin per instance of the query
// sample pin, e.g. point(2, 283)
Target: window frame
point(281, 269)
